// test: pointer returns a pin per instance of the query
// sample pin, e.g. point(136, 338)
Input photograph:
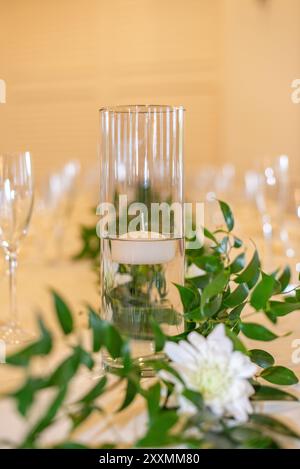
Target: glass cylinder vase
point(141, 226)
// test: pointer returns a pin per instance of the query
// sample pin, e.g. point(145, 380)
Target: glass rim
point(141, 108)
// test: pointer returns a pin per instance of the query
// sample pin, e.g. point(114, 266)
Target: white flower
point(211, 367)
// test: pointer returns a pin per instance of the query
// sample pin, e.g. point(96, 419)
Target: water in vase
point(138, 277)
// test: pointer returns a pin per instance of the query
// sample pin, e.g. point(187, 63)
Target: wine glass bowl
point(16, 203)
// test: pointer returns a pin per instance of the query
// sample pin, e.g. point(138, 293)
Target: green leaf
point(198, 282)
point(237, 296)
point(215, 287)
point(268, 393)
point(285, 278)
point(251, 273)
point(79, 416)
point(95, 392)
point(257, 331)
point(237, 242)
point(85, 358)
point(66, 370)
point(131, 392)
point(212, 307)
point(227, 214)
point(279, 375)
point(210, 235)
point(63, 313)
point(157, 434)
point(195, 397)
point(261, 358)
point(211, 263)
point(237, 343)
point(273, 424)
point(152, 396)
point(105, 334)
point(46, 420)
point(95, 324)
point(26, 394)
point(42, 346)
point(189, 297)
point(280, 308)
point(70, 445)
point(238, 263)
point(222, 246)
point(262, 292)
point(235, 313)
point(159, 336)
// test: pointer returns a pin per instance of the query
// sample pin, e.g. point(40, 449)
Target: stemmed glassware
point(16, 202)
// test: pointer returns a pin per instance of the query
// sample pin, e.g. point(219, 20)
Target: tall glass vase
point(141, 225)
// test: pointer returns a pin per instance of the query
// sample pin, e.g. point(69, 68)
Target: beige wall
point(261, 58)
point(229, 62)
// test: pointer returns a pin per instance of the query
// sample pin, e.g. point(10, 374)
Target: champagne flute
point(16, 202)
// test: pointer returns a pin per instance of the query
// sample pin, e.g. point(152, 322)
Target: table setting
point(149, 231)
point(140, 336)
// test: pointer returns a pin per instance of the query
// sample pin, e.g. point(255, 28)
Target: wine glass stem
point(12, 265)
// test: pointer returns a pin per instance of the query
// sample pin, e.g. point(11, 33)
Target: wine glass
point(16, 202)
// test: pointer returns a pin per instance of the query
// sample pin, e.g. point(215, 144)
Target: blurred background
point(231, 63)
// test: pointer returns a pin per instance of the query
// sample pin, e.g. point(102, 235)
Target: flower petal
point(177, 353)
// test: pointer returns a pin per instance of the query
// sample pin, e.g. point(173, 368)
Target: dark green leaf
point(209, 263)
point(273, 424)
point(279, 375)
point(237, 242)
point(271, 316)
point(195, 397)
point(251, 273)
point(159, 336)
point(210, 235)
point(285, 278)
point(26, 394)
point(257, 331)
point(262, 292)
point(42, 346)
point(235, 313)
point(95, 392)
point(85, 358)
point(238, 263)
point(131, 392)
point(152, 396)
point(261, 358)
point(157, 434)
point(63, 313)
point(66, 370)
point(215, 287)
point(212, 307)
point(268, 393)
point(227, 214)
point(237, 343)
point(189, 297)
point(105, 334)
point(46, 420)
point(280, 308)
point(237, 296)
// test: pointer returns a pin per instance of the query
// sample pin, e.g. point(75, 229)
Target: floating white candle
point(143, 247)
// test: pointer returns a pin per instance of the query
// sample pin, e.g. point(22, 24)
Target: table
point(78, 284)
